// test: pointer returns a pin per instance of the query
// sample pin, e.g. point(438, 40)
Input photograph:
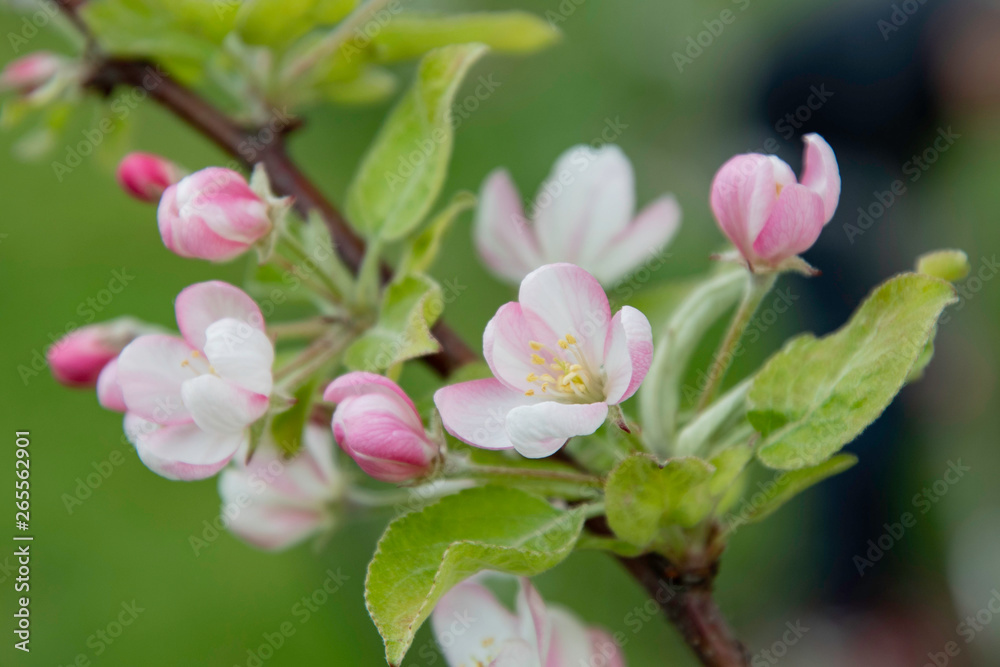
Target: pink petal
point(539, 430)
point(587, 200)
point(183, 451)
point(386, 441)
point(475, 412)
point(507, 347)
point(360, 383)
point(560, 299)
point(821, 174)
point(151, 370)
point(241, 354)
point(191, 237)
point(531, 611)
point(744, 192)
point(202, 304)
point(604, 649)
point(571, 644)
point(517, 653)
point(504, 237)
point(109, 393)
point(793, 227)
point(221, 407)
point(471, 625)
point(640, 242)
point(628, 354)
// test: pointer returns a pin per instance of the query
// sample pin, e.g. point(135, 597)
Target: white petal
point(539, 430)
point(640, 243)
point(218, 406)
point(183, 451)
point(571, 645)
point(627, 354)
point(241, 353)
point(471, 625)
point(504, 237)
point(201, 304)
point(151, 370)
point(476, 412)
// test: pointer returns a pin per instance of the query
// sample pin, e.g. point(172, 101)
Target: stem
point(309, 328)
point(291, 243)
point(758, 285)
point(288, 180)
point(686, 600)
point(493, 472)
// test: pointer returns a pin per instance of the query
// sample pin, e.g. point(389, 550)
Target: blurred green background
point(62, 241)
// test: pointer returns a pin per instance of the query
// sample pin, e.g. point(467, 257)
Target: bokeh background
point(893, 78)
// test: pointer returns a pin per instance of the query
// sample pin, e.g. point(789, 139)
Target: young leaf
point(816, 395)
point(404, 169)
point(410, 35)
point(287, 427)
point(950, 265)
point(423, 554)
point(642, 498)
point(788, 485)
point(424, 249)
point(409, 308)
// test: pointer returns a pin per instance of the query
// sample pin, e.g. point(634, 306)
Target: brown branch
point(686, 599)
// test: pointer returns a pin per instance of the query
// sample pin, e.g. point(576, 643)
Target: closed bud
point(212, 214)
point(30, 72)
point(78, 358)
point(145, 176)
point(377, 424)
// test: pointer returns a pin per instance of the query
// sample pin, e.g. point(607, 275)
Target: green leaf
point(404, 169)
point(816, 395)
point(790, 484)
point(642, 498)
point(950, 265)
point(409, 308)
point(409, 35)
point(278, 22)
point(425, 553)
point(287, 427)
point(370, 86)
point(422, 252)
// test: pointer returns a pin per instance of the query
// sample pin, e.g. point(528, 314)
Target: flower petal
point(587, 200)
point(627, 354)
point(183, 451)
point(504, 237)
point(507, 347)
point(151, 370)
point(531, 611)
point(821, 174)
point(744, 192)
point(560, 299)
point(639, 242)
point(200, 305)
point(360, 383)
point(489, 625)
point(475, 412)
point(109, 392)
point(221, 407)
point(604, 647)
point(570, 645)
point(240, 353)
point(539, 430)
point(383, 436)
point(192, 237)
point(793, 227)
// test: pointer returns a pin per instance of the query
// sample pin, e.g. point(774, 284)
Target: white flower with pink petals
point(768, 215)
point(377, 424)
point(30, 72)
point(212, 214)
point(584, 214)
point(474, 628)
point(191, 399)
point(559, 361)
point(274, 503)
point(78, 358)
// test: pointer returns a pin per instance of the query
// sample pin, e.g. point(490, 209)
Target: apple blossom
point(145, 176)
point(30, 72)
point(536, 636)
point(559, 361)
point(190, 399)
point(377, 424)
point(212, 214)
point(766, 213)
point(77, 359)
point(584, 214)
point(274, 503)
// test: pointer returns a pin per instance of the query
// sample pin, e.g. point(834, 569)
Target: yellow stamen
point(535, 359)
point(535, 345)
point(563, 344)
point(532, 378)
point(570, 339)
point(530, 392)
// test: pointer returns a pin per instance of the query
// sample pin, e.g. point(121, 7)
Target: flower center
point(198, 364)
point(570, 377)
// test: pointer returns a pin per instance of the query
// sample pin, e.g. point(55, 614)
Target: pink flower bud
point(768, 215)
point(377, 424)
point(212, 214)
point(30, 72)
point(145, 176)
point(78, 358)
